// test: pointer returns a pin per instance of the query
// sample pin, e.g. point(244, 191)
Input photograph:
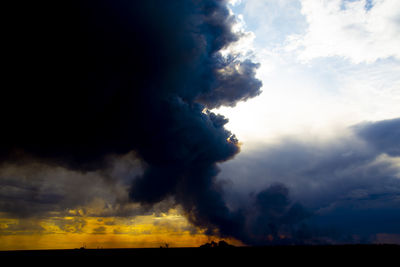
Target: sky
point(329, 68)
point(140, 124)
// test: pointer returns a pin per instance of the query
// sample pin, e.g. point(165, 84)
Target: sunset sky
point(145, 123)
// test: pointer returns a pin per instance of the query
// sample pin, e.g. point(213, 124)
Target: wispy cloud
point(361, 31)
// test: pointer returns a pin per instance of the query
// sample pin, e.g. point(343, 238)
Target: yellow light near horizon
point(149, 231)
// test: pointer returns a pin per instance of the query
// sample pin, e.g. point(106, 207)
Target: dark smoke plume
point(89, 79)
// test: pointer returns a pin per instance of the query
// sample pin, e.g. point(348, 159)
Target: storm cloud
point(38, 190)
point(384, 135)
point(349, 184)
point(90, 80)
point(93, 86)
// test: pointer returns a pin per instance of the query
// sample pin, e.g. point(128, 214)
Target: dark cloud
point(70, 225)
point(89, 80)
point(21, 227)
point(37, 190)
point(383, 135)
point(173, 226)
point(101, 230)
point(350, 184)
point(231, 81)
point(273, 218)
point(95, 78)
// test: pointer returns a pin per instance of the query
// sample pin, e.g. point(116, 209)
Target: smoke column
point(89, 79)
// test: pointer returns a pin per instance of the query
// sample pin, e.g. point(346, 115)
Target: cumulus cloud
point(361, 31)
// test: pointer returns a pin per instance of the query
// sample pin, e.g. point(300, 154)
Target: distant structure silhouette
point(220, 244)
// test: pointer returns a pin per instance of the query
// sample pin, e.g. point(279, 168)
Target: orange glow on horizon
point(75, 231)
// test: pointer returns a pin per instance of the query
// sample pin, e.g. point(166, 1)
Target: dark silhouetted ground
point(357, 255)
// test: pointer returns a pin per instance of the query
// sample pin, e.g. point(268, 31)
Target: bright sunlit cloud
point(316, 88)
point(361, 31)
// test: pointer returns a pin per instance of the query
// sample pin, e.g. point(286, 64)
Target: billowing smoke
point(92, 79)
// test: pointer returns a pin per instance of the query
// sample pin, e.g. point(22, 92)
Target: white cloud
point(315, 100)
point(320, 97)
point(245, 45)
point(371, 91)
point(349, 29)
point(234, 2)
